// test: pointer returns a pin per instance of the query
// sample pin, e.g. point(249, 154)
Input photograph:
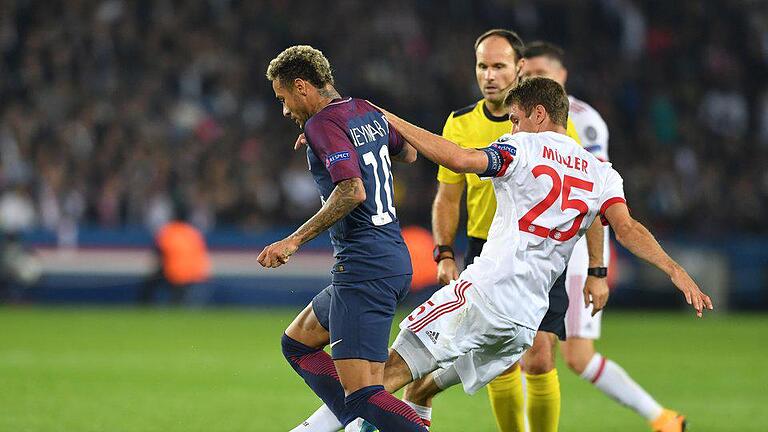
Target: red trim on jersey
point(611, 201)
point(426, 422)
point(599, 370)
point(442, 309)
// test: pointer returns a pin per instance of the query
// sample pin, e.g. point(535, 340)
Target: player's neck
point(556, 128)
point(324, 96)
point(497, 109)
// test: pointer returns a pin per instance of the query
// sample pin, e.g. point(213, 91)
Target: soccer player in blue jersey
point(350, 149)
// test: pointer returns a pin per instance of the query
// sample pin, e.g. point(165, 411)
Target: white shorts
point(579, 321)
point(457, 328)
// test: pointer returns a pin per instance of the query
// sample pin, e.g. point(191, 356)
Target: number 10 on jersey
point(382, 217)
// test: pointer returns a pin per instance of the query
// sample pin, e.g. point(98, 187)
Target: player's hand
point(691, 291)
point(301, 140)
point(278, 253)
point(447, 271)
point(596, 292)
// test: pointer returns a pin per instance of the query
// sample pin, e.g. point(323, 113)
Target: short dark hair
point(301, 61)
point(540, 91)
point(544, 49)
point(509, 35)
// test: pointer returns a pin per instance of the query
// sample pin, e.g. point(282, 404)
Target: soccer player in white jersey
point(582, 324)
point(549, 190)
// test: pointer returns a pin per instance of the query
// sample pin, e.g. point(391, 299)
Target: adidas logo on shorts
point(433, 336)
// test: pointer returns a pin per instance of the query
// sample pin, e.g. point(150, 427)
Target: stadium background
point(114, 113)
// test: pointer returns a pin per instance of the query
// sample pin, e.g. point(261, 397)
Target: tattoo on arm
point(344, 198)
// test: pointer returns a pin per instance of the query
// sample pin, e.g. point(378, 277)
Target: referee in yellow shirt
point(497, 54)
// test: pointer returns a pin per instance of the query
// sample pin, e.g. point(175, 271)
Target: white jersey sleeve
point(592, 129)
point(613, 191)
point(506, 156)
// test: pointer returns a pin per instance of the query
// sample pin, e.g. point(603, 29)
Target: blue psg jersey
point(350, 138)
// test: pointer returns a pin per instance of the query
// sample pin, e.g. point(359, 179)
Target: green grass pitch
point(221, 370)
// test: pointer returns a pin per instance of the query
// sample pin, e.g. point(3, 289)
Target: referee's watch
point(600, 272)
point(441, 252)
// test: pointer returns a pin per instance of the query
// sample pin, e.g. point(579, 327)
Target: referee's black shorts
point(554, 320)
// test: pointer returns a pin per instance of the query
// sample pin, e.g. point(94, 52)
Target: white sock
point(425, 413)
point(614, 381)
point(322, 420)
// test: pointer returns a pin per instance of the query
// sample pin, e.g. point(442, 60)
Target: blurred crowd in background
point(114, 113)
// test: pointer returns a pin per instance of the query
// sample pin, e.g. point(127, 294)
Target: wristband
point(599, 272)
point(439, 251)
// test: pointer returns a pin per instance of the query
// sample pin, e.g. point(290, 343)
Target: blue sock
point(386, 412)
point(318, 371)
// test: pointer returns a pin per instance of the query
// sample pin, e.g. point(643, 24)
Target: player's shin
point(316, 367)
point(507, 402)
point(543, 397)
point(614, 381)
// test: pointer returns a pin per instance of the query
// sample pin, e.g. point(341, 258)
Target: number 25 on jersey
point(559, 187)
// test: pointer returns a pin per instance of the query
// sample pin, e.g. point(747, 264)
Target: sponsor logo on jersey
point(591, 133)
point(433, 336)
point(507, 148)
point(336, 157)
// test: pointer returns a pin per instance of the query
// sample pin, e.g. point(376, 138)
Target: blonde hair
point(300, 61)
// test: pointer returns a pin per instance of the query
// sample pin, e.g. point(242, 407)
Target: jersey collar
point(494, 118)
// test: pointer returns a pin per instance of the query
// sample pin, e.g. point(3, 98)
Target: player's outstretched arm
point(407, 155)
point(438, 149)
point(347, 195)
point(638, 240)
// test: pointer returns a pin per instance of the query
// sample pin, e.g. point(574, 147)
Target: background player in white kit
point(548, 191)
point(582, 323)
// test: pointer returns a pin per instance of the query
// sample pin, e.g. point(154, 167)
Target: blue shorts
point(358, 316)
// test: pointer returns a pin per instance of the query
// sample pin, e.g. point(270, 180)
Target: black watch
point(437, 253)
point(600, 272)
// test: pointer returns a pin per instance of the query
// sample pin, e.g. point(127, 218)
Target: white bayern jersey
point(589, 124)
point(546, 198)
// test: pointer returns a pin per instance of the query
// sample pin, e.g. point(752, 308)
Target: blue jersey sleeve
point(396, 141)
point(332, 146)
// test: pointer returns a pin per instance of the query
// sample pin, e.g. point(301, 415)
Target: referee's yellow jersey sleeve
point(444, 175)
point(571, 132)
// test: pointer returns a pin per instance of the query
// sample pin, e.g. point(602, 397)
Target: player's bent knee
point(540, 359)
point(306, 328)
point(577, 355)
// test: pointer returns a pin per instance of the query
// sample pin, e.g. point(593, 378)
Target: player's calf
point(542, 383)
point(316, 367)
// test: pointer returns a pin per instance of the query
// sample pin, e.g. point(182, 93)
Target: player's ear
point(540, 114)
point(300, 85)
point(519, 68)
